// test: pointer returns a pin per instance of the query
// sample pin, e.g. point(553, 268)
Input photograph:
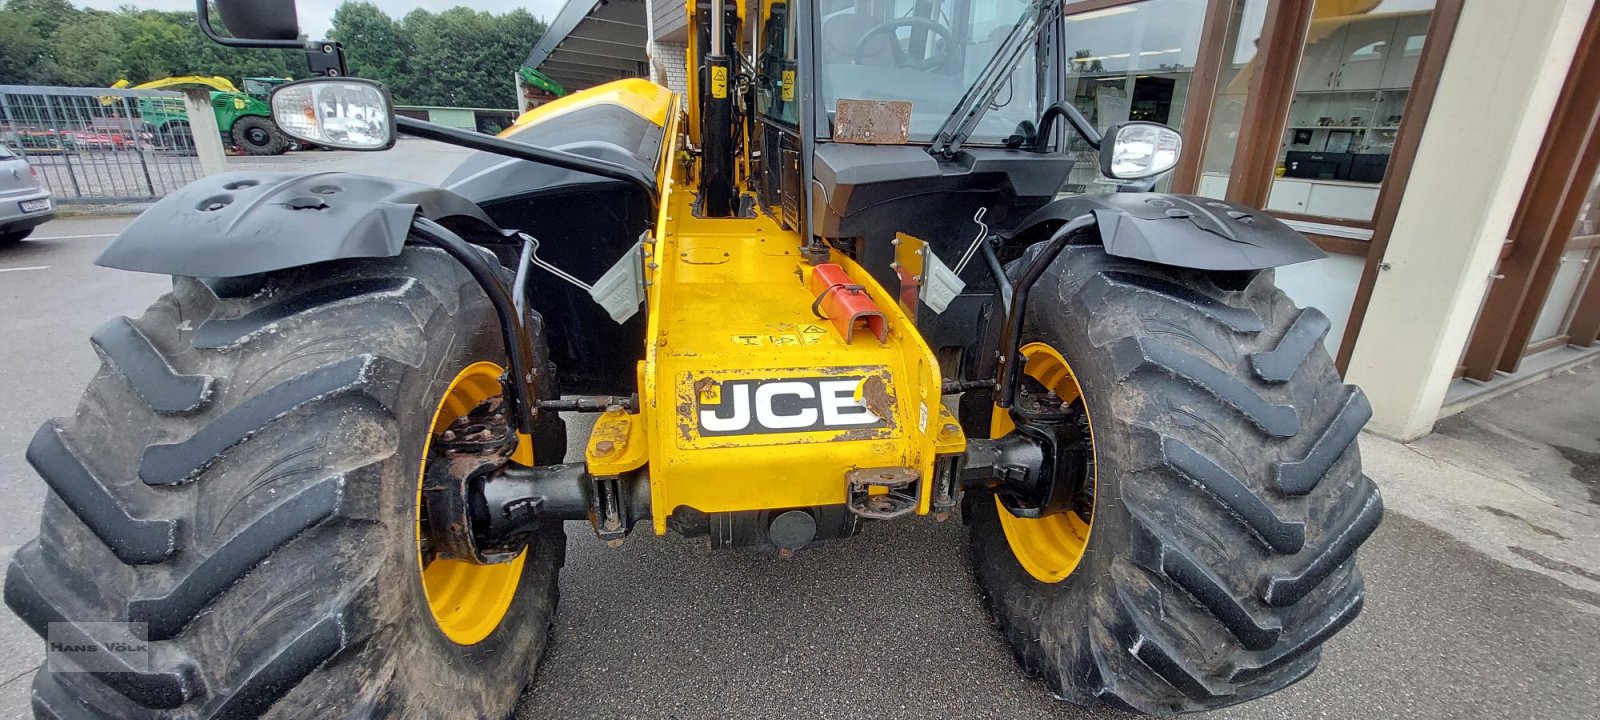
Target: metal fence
point(101, 145)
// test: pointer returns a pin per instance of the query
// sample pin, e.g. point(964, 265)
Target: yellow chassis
point(728, 301)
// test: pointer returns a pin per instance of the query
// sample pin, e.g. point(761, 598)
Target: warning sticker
point(812, 334)
point(783, 339)
point(719, 82)
point(747, 340)
point(788, 86)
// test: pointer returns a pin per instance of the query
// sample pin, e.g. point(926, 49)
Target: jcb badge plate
point(745, 408)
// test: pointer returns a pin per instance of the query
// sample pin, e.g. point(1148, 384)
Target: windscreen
point(926, 52)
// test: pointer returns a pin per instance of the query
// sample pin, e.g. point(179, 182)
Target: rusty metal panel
point(908, 265)
point(872, 122)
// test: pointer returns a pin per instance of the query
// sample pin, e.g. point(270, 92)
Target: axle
point(487, 514)
point(481, 509)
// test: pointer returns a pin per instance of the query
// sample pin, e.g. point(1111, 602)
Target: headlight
point(343, 113)
point(1138, 150)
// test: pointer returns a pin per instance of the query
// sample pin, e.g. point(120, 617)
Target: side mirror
point(341, 113)
point(1137, 150)
point(258, 19)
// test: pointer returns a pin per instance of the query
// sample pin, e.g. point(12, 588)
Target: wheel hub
point(467, 599)
point(1050, 544)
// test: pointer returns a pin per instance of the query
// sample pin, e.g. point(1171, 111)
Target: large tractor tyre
point(1225, 485)
point(259, 136)
point(242, 477)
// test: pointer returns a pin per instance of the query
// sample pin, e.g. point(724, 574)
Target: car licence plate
point(35, 205)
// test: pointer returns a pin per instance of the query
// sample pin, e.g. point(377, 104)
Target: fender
point(1181, 230)
point(243, 223)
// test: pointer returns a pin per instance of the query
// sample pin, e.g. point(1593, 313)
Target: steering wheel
point(902, 54)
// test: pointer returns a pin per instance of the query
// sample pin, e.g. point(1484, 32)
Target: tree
point(46, 16)
point(23, 51)
point(467, 58)
point(457, 57)
point(375, 45)
point(80, 49)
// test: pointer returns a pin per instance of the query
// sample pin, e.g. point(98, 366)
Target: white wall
point(671, 60)
point(1496, 95)
point(1328, 285)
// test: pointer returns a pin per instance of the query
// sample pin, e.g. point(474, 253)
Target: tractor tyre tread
point(1230, 501)
point(240, 476)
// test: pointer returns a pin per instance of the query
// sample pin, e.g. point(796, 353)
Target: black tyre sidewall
point(177, 136)
point(276, 143)
point(1069, 603)
point(1169, 609)
point(434, 676)
point(499, 665)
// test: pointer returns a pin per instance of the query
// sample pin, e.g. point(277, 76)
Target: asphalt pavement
point(1484, 580)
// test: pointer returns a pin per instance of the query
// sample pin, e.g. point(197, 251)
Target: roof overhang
point(592, 42)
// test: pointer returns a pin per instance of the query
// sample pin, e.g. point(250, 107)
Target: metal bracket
point(940, 285)
point(923, 276)
point(896, 493)
point(620, 290)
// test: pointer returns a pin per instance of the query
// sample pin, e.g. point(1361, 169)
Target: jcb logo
point(749, 407)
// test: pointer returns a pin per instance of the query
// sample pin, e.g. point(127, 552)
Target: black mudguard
point(1181, 230)
point(243, 223)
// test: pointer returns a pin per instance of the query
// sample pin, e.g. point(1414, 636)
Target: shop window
point(1355, 77)
point(1575, 270)
point(1239, 64)
point(1129, 62)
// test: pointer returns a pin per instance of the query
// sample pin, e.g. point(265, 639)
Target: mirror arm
point(1047, 126)
point(531, 153)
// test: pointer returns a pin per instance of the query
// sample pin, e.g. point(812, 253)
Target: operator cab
point(903, 117)
point(892, 78)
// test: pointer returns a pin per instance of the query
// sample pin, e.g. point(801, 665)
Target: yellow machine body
point(729, 304)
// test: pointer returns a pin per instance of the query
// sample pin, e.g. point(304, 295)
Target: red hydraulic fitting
point(845, 303)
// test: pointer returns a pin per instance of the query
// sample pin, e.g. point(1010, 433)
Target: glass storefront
point(1340, 96)
point(1129, 62)
point(1356, 74)
point(1575, 270)
point(1240, 63)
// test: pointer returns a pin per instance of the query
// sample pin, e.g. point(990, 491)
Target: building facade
point(1443, 152)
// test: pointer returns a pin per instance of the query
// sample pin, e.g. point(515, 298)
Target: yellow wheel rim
point(1049, 548)
point(468, 601)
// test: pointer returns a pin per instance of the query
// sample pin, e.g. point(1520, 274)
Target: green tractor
point(242, 115)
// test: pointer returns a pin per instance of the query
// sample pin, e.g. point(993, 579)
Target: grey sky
point(317, 15)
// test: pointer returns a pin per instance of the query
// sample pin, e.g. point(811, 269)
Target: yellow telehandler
point(830, 285)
